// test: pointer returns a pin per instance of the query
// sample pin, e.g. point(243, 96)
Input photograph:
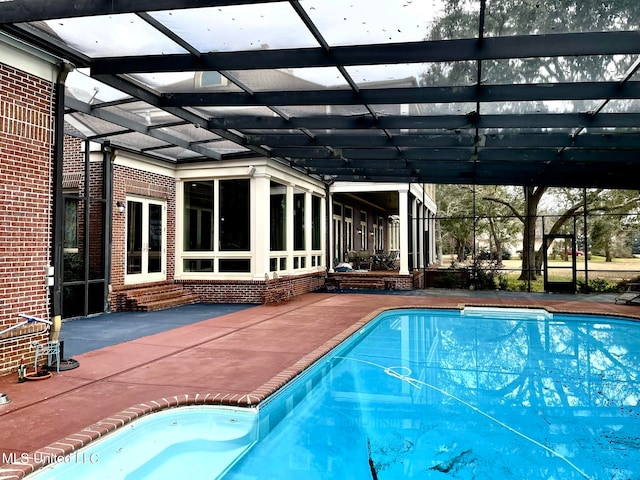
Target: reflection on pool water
point(500, 394)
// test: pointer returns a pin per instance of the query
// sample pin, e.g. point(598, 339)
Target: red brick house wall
point(131, 181)
point(26, 189)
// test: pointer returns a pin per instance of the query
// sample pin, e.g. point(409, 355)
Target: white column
point(415, 232)
point(432, 237)
point(323, 229)
point(328, 249)
point(307, 230)
point(289, 215)
point(261, 218)
point(421, 230)
point(403, 212)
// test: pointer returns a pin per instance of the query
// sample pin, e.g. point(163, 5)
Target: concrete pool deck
point(234, 358)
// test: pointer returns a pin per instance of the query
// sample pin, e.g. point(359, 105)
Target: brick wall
point(131, 181)
point(244, 291)
point(26, 188)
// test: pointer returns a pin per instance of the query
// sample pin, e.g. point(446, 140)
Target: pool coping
point(62, 450)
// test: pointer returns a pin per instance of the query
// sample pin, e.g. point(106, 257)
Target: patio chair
point(50, 349)
point(364, 260)
point(274, 291)
point(286, 283)
point(631, 295)
point(390, 261)
point(352, 258)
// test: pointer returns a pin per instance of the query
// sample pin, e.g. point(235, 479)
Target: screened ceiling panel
point(108, 36)
point(541, 106)
point(449, 108)
point(621, 106)
point(589, 68)
point(233, 112)
point(142, 111)
point(167, 82)
point(544, 17)
point(91, 126)
point(239, 27)
point(435, 91)
point(395, 21)
point(89, 90)
point(137, 141)
point(304, 111)
point(191, 133)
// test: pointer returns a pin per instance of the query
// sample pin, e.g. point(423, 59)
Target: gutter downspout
point(57, 253)
point(107, 181)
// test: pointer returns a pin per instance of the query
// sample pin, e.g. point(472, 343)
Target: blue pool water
point(179, 443)
point(473, 394)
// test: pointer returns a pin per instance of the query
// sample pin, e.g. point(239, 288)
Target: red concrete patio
point(235, 359)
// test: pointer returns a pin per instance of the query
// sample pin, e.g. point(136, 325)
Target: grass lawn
point(612, 273)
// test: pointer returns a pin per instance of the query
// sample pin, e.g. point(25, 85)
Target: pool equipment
point(27, 319)
point(21, 368)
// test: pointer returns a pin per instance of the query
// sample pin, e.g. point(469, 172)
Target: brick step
point(362, 285)
point(154, 297)
point(356, 282)
point(153, 289)
point(157, 304)
point(159, 295)
point(167, 303)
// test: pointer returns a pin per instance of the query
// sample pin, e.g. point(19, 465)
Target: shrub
point(484, 274)
point(599, 285)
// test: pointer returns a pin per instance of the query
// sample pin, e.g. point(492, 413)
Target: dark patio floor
point(230, 354)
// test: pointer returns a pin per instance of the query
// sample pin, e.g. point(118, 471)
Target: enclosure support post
point(586, 242)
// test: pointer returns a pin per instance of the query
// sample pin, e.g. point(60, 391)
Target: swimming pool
point(476, 393)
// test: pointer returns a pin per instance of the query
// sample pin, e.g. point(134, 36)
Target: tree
point(496, 219)
point(513, 17)
point(464, 214)
point(570, 203)
point(610, 232)
point(455, 219)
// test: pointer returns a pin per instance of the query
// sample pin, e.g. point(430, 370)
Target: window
point(134, 238)
point(235, 215)
point(71, 221)
point(337, 232)
point(278, 214)
point(233, 225)
point(209, 79)
point(197, 265)
point(393, 229)
point(198, 216)
point(364, 233)
point(227, 265)
point(348, 228)
point(298, 221)
point(379, 234)
point(316, 223)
